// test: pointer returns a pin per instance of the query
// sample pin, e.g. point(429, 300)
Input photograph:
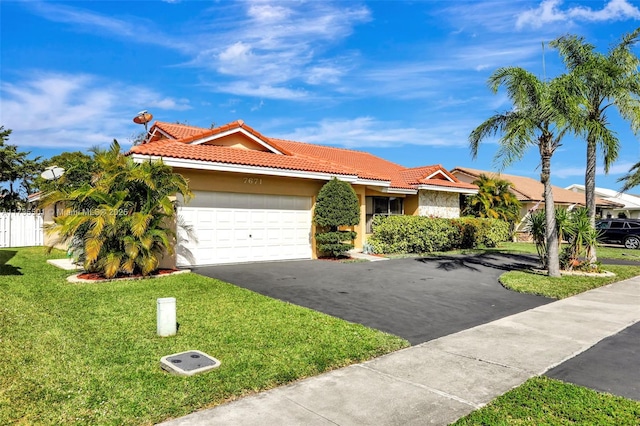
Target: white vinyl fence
point(21, 229)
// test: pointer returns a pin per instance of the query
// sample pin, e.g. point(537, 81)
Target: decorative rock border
point(76, 280)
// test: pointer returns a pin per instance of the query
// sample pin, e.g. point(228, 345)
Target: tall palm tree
point(601, 81)
point(121, 221)
point(535, 120)
point(493, 200)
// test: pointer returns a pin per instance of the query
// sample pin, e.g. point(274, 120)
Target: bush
point(337, 206)
point(476, 232)
point(418, 234)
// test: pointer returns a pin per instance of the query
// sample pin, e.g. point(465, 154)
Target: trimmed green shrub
point(419, 234)
point(412, 234)
point(477, 232)
point(337, 206)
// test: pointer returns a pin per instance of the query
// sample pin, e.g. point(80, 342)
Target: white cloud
point(323, 74)
point(139, 31)
point(364, 132)
point(615, 10)
point(75, 110)
point(244, 88)
point(269, 43)
point(268, 12)
point(549, 11)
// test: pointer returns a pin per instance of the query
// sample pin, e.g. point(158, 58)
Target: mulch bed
point(96, 276)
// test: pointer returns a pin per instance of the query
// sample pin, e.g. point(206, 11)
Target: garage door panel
point(245, 227)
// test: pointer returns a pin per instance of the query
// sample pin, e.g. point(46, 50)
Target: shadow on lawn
point(502, 261)
point(5, 269)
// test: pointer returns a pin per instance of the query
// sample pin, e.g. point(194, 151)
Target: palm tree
point(600, 81)
point(121, 221)
point(493, 200)
point(631, 179)
point(536, 119)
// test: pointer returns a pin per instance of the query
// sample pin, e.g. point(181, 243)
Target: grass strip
point(544, 401)
point(565, 286)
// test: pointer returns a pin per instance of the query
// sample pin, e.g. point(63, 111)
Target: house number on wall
point(252, 181)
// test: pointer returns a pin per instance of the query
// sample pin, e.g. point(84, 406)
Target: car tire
point(632, 242)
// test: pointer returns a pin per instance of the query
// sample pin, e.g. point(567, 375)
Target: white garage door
point(231, 228)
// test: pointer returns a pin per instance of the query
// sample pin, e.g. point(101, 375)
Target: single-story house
point(254, 195)
point(530, 192)
point(628, 204)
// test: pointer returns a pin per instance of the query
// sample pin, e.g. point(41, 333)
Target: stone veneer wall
point(439, 204)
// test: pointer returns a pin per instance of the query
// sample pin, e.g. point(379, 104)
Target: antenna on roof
point(143, 117)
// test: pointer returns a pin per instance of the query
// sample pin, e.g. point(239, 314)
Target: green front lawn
point(89, 354)
point(565, 286)
point(604, 252)
point(544, 401)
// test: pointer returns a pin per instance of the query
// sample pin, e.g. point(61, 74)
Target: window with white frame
point(382, 206)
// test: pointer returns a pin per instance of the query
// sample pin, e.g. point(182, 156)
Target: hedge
point(419, 234)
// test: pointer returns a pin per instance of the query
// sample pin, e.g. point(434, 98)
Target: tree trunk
point(590, 190)
point(553, 259)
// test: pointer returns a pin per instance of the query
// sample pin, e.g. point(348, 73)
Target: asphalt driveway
point(419, 299)
point(613, 365)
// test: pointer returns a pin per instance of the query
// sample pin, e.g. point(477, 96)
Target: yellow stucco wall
point(239, 141)
point(411, 204)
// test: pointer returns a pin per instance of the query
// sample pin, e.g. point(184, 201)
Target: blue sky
point(403, 80)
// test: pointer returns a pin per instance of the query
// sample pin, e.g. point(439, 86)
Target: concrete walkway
point(439, 381)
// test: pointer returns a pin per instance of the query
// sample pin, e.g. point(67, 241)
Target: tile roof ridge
point(330, 147)
point(354, 170)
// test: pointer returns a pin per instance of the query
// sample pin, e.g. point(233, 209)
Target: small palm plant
point(535, 225)
point(576, 227)
point(583, 239)
point(563, 222)
point(122, 221)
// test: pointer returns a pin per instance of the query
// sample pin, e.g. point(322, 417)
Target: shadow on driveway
point(418, 299)
point(502, 262)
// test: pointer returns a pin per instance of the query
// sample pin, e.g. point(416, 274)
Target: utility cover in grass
point(188, 363)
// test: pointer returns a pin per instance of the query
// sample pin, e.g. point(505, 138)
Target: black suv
point(621, 231)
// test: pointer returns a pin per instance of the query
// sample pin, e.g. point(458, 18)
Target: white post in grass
point(166, 316)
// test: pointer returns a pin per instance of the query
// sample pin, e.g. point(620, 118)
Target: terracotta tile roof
point(528, 189)
point(360, 163)
point(421, 176)
point(227, 155)
point(295, 156)
point(177, 131)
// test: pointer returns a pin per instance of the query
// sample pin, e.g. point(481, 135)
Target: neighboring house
point(530, 192)
point(254, 195)
point(629, 205)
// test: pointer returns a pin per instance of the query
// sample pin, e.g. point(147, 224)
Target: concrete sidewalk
point(441, 380)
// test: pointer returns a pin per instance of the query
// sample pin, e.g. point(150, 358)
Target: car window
point(602, 225)
point(617, 225)
point(633, 225)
